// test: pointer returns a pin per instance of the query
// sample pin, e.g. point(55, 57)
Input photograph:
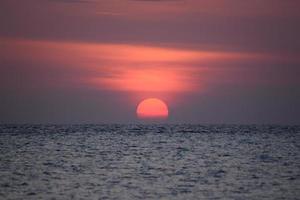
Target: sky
point(94, 61)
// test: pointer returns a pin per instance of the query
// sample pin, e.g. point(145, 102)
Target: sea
point(154, 161)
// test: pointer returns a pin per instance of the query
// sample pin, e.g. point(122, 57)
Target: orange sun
point(152, 108)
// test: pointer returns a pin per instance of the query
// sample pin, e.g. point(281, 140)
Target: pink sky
point(195, 55)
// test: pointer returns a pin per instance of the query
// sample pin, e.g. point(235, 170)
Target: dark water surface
point(149, 162)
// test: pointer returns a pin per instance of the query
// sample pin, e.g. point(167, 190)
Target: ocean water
point(149, 162)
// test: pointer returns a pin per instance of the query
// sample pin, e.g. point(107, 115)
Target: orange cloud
point(164, 80)
point(126, 67)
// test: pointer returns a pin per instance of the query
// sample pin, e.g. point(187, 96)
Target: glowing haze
point(93, 61)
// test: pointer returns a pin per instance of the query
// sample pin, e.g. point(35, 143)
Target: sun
point(152, 108)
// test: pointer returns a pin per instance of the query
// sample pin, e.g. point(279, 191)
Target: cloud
point(72, 1)
point(121, 67)
point(157, 0)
